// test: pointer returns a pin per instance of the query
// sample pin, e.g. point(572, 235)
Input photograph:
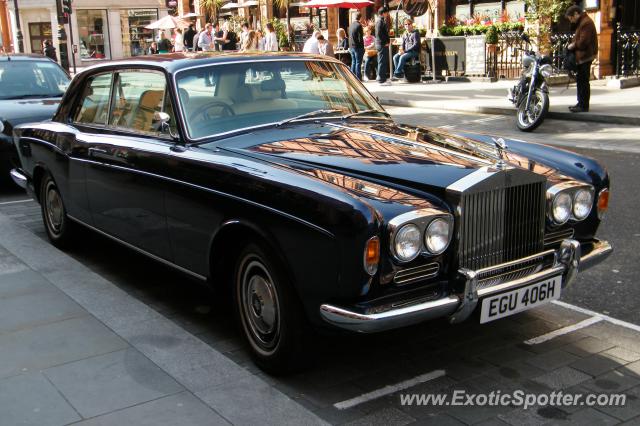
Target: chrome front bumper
point(19, 178)
point(568, 259)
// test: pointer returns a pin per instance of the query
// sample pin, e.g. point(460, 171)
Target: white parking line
point(447, 126)
point(563, 330)
point(15, 202)
point(616, 321)
point(388, 390)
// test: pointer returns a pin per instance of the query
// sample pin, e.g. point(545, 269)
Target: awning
point(231, 5)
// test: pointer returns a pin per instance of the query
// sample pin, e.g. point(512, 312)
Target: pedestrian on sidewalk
point(410, 49)
point(382, 45)
point(585, 46)
point(356, 45)
point(206, 38)
point(188, 38)
point(50, 51)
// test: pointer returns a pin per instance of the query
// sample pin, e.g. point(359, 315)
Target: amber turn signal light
point(372, 255)
point(603, 203)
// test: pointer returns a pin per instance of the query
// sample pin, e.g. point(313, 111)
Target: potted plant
point(491, 38)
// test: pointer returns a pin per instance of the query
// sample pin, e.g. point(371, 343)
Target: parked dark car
point(281, 179)
point(31, 87)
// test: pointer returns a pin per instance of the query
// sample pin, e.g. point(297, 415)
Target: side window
point(94, 104)
point(137, 96)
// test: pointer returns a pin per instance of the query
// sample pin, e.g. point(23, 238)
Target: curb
point(568, 116)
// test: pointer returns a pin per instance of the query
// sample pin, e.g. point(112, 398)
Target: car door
point(124, 182)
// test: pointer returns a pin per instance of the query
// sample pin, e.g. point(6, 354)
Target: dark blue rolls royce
point(281, 179)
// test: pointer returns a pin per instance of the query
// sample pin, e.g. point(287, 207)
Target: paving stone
point(598, 364)
point(624, 354)
point(30, 399)
point(110, 382)
point(556, 342)
point(633, 368)
point(614, 334)
point(532, 416)
point(384, 417)
point(516, 371)
point(252, 401)
point(489, 422)
point(182, 409)
point(633, 422)
point(57, 343)
point(588, 346)
point(588, 416)
point(552, 360)
point(614, 381)
point(338, 417)
point(10, 265)
point(629, 410)
point(561, 378)
point(23, 282)
point(506, 355)
point(440, 386)
point(31, 309)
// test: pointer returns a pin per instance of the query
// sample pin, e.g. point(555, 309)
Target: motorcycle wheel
point(528, 119)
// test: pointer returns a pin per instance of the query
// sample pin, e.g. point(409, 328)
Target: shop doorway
point(38, 33)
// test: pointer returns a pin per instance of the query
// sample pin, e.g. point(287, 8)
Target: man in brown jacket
point(585, 46)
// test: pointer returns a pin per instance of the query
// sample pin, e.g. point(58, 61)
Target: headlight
point(407, 243)
point(561, 208)
point(437, 236)
point(546, 70)
point(582, 202)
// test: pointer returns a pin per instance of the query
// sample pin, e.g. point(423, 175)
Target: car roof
point(173, 62)
point(23, 57)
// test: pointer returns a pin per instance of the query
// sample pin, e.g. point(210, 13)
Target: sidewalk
point(76, 348)
point(608, 105)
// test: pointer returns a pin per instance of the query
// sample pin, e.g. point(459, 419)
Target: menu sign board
point(475, 55)
point(449, 54)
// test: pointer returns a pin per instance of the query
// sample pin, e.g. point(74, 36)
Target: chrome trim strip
point(490, 269)
point(19, 178)
point(473, 179)
point(212, 191)
point(423, 272)
point(556, 270)
point(393, 318)
point(141, 251)
point(595, 252)
point(41, 142)
point(408, 142)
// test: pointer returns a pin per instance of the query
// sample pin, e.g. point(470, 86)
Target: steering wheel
point(206, 113)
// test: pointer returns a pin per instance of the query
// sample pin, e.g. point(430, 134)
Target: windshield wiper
point(307, 115)
point(365, 111)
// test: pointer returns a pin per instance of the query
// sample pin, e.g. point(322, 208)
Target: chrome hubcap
point(55, 209)
point(260, 304)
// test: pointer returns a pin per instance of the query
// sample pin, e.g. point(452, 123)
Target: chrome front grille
point(555, 237)
point(501, 225)
point(410, 275)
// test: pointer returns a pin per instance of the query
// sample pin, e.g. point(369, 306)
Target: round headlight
point(546, 70)
point(582, 202)
point(437, 236)
point(561, 208)
point(407, 243)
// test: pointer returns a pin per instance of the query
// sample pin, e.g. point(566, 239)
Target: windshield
point(218, 99)
point(31, 79)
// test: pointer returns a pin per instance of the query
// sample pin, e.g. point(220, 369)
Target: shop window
point(38, 33)
point(93, 29)
point(136, 39)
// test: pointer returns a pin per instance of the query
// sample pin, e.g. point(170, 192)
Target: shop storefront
point(93, 34)
point(136, 39)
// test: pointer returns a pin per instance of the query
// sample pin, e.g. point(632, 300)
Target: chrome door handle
point(97, 151)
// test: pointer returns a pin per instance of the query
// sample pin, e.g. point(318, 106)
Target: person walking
point(585, 46)
point(178, 41)
point(206, 39)
point(164, 45)
point(271, 39)
point(188, 37)
point(50, 51)
point(356, 45)
point(382, 46)
point(410, 49)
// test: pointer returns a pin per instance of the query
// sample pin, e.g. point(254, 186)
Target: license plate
point(512, 302)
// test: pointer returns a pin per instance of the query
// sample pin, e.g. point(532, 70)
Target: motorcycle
point(531, 94)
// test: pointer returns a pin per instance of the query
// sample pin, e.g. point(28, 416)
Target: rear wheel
point(530, 118)
point(56, 222)
point(271, 317)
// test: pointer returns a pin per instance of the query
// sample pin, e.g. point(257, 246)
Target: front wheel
point(272, 319)
point(530, 118)
point(56, 222)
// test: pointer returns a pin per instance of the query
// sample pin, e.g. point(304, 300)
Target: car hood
point(422, 158)
point(18, 111)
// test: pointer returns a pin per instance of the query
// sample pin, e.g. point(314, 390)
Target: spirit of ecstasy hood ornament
point(501, 146)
